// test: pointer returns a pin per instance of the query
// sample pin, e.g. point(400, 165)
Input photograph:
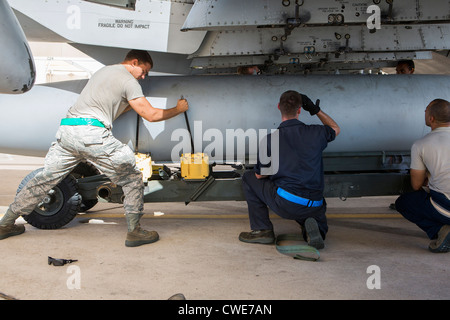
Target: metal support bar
point(200, 190)
point(346, 175)
point(343, 186)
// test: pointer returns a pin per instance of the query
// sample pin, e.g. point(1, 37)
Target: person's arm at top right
point(418, 178)
point(327, 120)
point(418, 170)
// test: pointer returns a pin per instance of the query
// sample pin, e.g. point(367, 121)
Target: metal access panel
point(229, 14)
point(325, 39)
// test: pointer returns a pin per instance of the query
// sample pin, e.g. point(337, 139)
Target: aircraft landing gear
point(63, 202)
point(59, 206)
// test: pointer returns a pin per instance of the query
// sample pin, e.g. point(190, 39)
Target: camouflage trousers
point(97, 145)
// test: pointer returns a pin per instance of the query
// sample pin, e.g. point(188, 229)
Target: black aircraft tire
point(62, 207)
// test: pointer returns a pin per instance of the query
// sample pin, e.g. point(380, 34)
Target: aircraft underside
point(329, 50)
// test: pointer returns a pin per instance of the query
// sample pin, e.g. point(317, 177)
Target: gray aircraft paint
point(375, 112)
point(16, 61)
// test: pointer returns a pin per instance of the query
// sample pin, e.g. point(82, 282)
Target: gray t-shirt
point(106, 95)
point(432, 153)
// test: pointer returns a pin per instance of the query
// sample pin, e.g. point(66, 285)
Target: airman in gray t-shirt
point(106, 95)
point(429, 205)
point(85, 135)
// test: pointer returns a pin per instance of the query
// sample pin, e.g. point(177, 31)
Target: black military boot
point(258, 236)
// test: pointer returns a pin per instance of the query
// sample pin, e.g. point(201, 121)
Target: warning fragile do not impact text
point(123, 24)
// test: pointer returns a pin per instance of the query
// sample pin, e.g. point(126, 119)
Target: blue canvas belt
point(299, 200)
point(81, 122)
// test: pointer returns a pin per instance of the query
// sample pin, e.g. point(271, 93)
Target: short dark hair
point(440, 110)
point(290, 102)
point(141, 55)
point(409, 63)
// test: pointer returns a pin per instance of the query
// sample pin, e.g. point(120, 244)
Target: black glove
point(309, 106)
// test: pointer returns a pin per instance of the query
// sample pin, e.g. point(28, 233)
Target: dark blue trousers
point(261, 194)
point(417, 208)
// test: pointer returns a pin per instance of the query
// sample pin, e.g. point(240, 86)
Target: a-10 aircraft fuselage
point(299, 45)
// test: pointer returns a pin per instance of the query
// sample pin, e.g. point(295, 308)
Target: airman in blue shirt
point(291, 184)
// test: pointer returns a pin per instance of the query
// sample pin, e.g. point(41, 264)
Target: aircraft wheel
point(58, 208)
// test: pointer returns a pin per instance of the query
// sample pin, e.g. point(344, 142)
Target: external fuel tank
point(374, 112)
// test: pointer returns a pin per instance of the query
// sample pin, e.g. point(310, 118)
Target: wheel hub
point(52, 203)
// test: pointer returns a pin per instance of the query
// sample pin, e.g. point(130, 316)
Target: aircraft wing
point(218, 36)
